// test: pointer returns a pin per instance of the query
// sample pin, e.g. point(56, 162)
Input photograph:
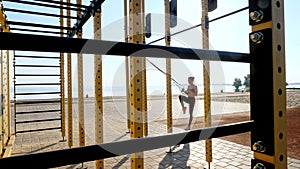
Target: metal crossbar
point(14, 41)
point(37, 25)
point(36, 57)
point(38, 93)
point(43, 5)
point(37, 121)
point(38, 13)
point(32, 30)
point(43, 129)
point(38, 102)
point(101, 151)
point(39, 111)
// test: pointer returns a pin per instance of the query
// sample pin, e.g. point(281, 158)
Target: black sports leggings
point(191, 102)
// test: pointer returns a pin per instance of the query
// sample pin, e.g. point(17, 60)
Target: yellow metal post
point(62, 81)
point(206, 76)
point(5, 97)
point(168, 68)
point(8, 132)
point(279, 83)
point(80, 87)
point(98, 89)
point(144, 68)
point(15, 97)
point(136, 82)
point(70, 99)
point(127, 64)
point(2, 104)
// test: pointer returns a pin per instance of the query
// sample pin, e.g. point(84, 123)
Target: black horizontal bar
point(37, 25)
point(41, 93)
point(32, 30)
point(86, 16)
point(37, 121)
point(36, 130)
point(37, 75)
point(107, 150)
point(37, 84)
point(43, 5)
point(293, 88)
point(47, 66)
point(14, 41)
point(37, 57)
point(38, 102)
point(37, 112)
point(38, 13)
point(64, 3)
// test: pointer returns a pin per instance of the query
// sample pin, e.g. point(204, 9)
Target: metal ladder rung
point(39, 111)
point(37, 121)
point(38, 102)
point(26, 131)
point(36, 57)
point(38, 93)
point(37, 84)
point(37, 75)
point(42, 66)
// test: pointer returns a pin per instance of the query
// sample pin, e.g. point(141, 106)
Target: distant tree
point(237, 83)
point(247, 80)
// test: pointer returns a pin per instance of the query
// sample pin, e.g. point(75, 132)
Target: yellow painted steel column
point(136, 81)
point(279, 84)
point(168, 68)
point(98, 89)
point(8, 96)
point(206, 76)
point(127, 64)
point(145, 100)
point(70, 97)
point(5, 92)
point(2, 104)
point(80, 87)
point(62, 80)
point(5, 130)
point(15, 97)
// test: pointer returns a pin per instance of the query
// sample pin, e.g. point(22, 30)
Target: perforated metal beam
point(168, 68)
point(70, 97)
point(144, 75)
point(62, 80)
point(98, 89)
point(136, 81)
point(127, 64)
point(206, 80)
point(80, 87)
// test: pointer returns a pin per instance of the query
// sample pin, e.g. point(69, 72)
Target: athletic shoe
point(188, 128)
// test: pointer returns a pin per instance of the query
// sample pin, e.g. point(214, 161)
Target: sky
point(229, 34)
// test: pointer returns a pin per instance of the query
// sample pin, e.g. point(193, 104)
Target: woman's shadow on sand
point(176, 159)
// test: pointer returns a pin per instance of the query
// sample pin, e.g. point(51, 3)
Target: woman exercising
point(191, 91)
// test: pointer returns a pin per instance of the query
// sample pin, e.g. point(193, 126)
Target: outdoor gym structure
point(266, 59)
